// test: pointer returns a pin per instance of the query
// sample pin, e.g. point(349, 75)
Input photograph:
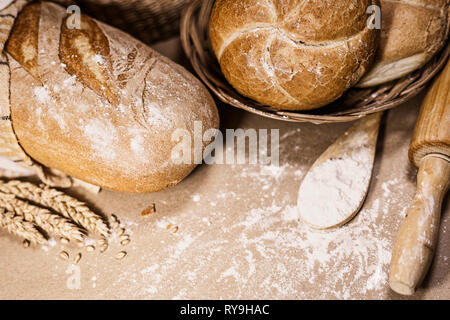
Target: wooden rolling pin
point(430, 152)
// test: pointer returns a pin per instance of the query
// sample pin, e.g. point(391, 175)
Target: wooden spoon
point(336, 185)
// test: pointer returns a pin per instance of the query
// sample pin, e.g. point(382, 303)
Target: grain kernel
point(124, 237)
point(64, 240)
point(125, 242)
point(77, 258)
point(64, 255)
point(26, 243)
point(90, 248)
point(121, 255)
point(103, 248)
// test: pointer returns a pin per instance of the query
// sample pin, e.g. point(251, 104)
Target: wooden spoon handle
point(417, 237)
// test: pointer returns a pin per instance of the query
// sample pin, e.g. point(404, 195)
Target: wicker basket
point(355, 103)
point(147, 20)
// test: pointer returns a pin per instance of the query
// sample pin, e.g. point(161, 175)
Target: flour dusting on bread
point(297, 55)
point(104, 103)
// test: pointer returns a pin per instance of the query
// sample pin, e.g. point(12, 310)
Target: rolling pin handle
point(416, 240)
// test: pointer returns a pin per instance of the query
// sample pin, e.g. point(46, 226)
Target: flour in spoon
point(333, 191)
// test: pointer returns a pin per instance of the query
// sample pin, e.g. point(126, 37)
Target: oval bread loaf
point(99, 105)
point(412, 32)
point(293, 55)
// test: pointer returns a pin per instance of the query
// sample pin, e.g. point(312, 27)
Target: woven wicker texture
point(355, 103)
point(147, 20)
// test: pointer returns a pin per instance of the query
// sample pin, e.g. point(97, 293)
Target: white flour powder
point(333, 191)
point(262, 250)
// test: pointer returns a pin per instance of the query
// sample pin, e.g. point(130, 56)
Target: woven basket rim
point(148, 20)
point(196, 44)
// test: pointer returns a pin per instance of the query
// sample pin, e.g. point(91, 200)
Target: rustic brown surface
point(235, 237)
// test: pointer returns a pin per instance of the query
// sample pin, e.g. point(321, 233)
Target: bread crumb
point(149, 210)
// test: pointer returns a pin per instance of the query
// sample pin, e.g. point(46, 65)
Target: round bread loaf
point(413, 31)
point(99, 105)
point(293, 55)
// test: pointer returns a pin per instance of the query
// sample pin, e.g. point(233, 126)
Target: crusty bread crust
point(99, 105)
point(293, 55)
point(413, 31)
point(23, 41)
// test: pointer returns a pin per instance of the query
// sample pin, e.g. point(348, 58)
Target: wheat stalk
point(66, 205)
point(16, 225)
point(48, 221)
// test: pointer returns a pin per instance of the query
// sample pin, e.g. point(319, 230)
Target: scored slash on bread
point(22, 44)
point(86, 54)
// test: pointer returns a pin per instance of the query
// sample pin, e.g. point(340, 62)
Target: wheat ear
point(48, 221)
point(66, 205)
point(17, 226)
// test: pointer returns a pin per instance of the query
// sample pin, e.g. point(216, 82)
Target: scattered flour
point(263, 250)
point(98, 58)
point(260, 251)
point(42, 94)
point(155, 117)
point(137, 144)
point(50, 244)
point(386, 186)
point(102, 135)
